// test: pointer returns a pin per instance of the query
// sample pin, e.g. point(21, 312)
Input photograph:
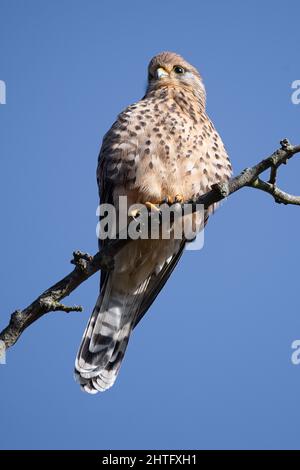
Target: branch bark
point(86, 265)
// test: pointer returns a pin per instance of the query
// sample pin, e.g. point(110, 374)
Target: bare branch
point(281, 197)
point(87, 265)
point(273, 175)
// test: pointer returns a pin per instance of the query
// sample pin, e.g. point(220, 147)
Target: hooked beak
point(160, 73)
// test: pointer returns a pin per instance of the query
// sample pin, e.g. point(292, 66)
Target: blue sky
point(210, 365)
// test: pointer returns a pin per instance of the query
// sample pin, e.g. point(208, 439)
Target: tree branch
point(86, 265)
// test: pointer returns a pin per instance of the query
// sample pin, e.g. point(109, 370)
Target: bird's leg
point(173, 200)
point(134, 212)
point(151, 207)
point(179, 198)
point(154, 206)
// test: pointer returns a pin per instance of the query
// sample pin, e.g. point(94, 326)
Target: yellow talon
point(173, 200)
point(135, 210)
point(151, 207)
point(179, 198)
point(133, 213)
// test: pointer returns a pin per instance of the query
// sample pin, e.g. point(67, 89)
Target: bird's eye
point(178, 69)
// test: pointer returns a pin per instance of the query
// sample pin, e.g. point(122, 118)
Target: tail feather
point(119, 307)
point(106, 337)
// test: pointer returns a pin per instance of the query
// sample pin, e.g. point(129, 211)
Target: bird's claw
point(173, 200)
point(152, 207)
point(179, 198)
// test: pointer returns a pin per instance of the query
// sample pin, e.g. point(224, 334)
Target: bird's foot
point(155, 206)
point(173, 200)
point(134, 212)
point(179, 198)
point(152, 207)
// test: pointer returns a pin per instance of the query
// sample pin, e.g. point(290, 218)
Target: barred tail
point(106, 337)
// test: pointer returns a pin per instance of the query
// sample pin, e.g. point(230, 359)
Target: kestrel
point(164, 147)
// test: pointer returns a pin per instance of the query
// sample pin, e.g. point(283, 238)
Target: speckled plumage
point(159, 147)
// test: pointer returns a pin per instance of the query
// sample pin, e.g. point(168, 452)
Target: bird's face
point(170, 69)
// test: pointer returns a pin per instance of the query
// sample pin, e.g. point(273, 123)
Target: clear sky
point(210, 365)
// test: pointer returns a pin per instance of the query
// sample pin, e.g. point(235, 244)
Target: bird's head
point(171, 70)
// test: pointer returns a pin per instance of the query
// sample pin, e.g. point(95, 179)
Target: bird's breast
point(164, 147)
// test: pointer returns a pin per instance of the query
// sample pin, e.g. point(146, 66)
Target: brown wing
point(105, 186)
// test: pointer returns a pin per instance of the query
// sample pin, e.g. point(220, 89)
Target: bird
point(164, 147)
